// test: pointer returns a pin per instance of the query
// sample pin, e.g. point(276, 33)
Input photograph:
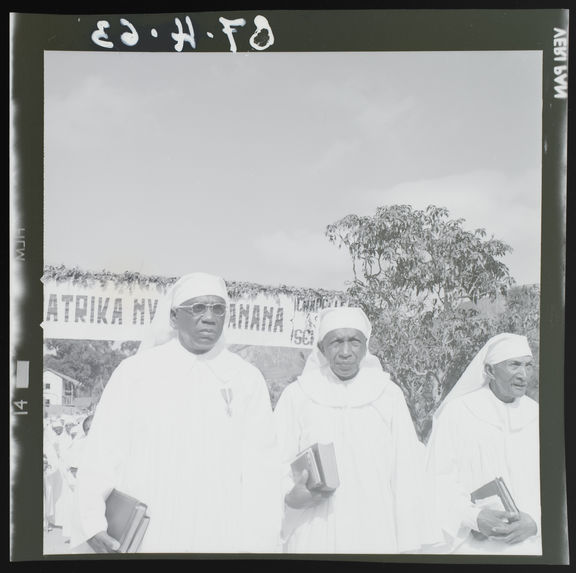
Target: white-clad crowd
point(64, 443)
point(215, 471)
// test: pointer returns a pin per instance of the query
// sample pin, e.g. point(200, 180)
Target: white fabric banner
point(124, 312)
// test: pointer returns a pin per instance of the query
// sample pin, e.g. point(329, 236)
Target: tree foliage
point(404, 257)
point(522, 315)
point(90, 362)
point(420, 277)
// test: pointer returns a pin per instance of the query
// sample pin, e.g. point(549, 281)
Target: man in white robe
point(70, 429)
point(186, 427)
point(485, 428)
point(71, 460)
point(52, 475)
point(64, 504)
point(344, 397)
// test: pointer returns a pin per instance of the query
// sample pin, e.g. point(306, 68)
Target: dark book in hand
point(320, 461)
point(127, 520)
point(496, 487)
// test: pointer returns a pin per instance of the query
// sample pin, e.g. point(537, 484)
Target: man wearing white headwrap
point(186, 426)
point(487, 427)
point(344, 397)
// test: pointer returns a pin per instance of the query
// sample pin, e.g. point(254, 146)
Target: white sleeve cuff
point(290, 521)
point(287, 484)
point(470, 518)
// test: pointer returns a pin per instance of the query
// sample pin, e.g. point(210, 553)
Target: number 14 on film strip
point(19, 406)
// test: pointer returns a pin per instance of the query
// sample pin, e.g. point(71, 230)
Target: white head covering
point(340, 317)
point(506, 347)
point(499, 348)
point(343, 317)
point(189, 286)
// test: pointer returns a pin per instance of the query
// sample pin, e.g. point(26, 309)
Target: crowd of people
point(64, 442)
point(216, 471)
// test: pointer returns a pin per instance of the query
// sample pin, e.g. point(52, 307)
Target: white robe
point(64, 505)
point(55, 447)
point(376, 508)
point(71, 458)
point(52, 476)
point(476, 438)
point(161, 433)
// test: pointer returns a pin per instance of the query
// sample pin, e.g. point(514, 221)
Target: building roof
point(63, 376)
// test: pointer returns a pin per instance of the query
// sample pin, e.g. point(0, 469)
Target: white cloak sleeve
point(261, 496)
point(407, 482)
point(105, 448)
point(454, 513)
point(288, 431)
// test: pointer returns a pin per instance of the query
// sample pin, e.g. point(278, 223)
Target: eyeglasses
point(198, 308)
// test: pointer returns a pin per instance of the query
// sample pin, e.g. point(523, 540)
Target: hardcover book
point(138, 535)
point(127, 520)
point(497, 487)
point(320, 461)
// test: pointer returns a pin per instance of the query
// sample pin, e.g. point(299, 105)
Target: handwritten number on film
point(261, 39)
point(100, 37)
point(181, 36)
point(129, 38)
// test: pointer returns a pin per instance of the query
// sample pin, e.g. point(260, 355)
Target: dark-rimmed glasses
point(198, 308)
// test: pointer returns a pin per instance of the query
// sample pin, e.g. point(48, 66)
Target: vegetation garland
point(236, 289)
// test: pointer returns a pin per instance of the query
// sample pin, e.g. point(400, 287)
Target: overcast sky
point(167, 163)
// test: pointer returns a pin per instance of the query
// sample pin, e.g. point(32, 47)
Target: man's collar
point(486, 406)
point(325, 388)
point(192, 356)
point(221, 362)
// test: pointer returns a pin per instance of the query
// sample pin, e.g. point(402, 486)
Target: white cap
point(343, 317)
point(507, 347)
point(197, 284)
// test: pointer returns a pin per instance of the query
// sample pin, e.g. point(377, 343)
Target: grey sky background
point(168, 163)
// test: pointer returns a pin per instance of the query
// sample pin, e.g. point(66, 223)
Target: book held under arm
point(320, 461)
point(127, 520)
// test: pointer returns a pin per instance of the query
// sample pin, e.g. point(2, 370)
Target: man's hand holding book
point(506, 526)
point(315, 476)
point(506, 522)
point(103, 543)
point(300, 497)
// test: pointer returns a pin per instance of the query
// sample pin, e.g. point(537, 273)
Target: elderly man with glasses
point(208, 472)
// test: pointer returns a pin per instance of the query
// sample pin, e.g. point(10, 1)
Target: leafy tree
point(522, 315)
point(91, 362)
point(414, 272)
point(129, 347)
point(403, 256)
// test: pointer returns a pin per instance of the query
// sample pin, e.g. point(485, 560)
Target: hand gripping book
point(496, 487)
point(320, 461)
point(127, 520)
